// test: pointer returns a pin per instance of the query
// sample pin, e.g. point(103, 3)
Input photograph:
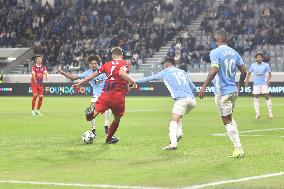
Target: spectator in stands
point(193, 58)
point(266, 56)
point(171, 51)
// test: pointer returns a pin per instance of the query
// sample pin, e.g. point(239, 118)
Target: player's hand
point(78, 84)
point(202, 92)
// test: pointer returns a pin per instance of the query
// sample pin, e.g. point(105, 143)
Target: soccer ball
point(88, 137)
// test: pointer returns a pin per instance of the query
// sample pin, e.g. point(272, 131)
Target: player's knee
point(116, 118)
point(227, 119)
point(176, 117)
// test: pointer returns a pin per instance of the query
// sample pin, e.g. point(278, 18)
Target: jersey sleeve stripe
point(215, 65)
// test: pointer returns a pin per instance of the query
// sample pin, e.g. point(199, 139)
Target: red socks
point(39, 102)
point(111, 130)
point(33, 102)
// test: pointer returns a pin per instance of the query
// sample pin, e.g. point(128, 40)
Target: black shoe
point(106, 129)
point(179, 137)
point(94, 132)
point(113, 140)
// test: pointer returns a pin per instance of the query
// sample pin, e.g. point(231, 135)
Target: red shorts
point(113, 101)
point(37, 89)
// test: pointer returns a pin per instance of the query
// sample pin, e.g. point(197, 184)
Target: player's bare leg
point(232, 131)
point(110, 139)
point(269, 105)
point(256, 106)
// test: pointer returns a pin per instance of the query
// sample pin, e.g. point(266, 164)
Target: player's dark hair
point(222, 36)
point(94, 57)
point(117, 51)
point(170, 60)
point(259, 54)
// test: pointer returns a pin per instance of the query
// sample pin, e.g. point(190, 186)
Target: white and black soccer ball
point(88, 137)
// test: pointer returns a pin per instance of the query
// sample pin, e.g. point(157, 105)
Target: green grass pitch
point(49, 148)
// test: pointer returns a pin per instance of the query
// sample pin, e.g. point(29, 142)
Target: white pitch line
point(143, 110)
point(234, 180)
point(78, 185)
point(141, 187)
point(250, 131)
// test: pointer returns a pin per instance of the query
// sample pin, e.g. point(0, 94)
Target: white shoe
point(257, 116)
point(170, 147)
point(270, 115)
point(33, 113)
point(38, 113)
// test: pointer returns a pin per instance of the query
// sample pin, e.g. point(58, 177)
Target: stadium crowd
point(66, 35)
point(249, 23)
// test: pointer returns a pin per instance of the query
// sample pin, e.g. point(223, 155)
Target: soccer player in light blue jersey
point(182, 91)
point(259, 69)
point(224, 64)
point(97, 84)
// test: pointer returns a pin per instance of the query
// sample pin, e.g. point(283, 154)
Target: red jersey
point(114, 82)
point(39, 72)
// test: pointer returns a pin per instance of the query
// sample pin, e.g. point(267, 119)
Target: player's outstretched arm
point(126, 76)
point(87, 79)
point(150, 78)
point(212, 73)
point(69, 76)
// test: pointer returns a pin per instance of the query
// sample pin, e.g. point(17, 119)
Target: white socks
point(107, 120)
point(179, 129)
point(107, 117)
point(256, 106)
point(93, 123)
point(173, 132)
point(269, 106)
point(234, 134)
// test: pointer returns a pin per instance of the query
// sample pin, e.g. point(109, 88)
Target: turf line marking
point(234, 180)
point(77, 185)
point(250, 131)
point(141, 187)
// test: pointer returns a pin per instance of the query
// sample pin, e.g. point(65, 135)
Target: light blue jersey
point(226, 59)
point(97, 83)
point(259, 71)
point(176, 80)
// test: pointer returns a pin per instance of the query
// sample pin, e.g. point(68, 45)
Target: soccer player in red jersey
point(114, 91)
point(38, 71)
